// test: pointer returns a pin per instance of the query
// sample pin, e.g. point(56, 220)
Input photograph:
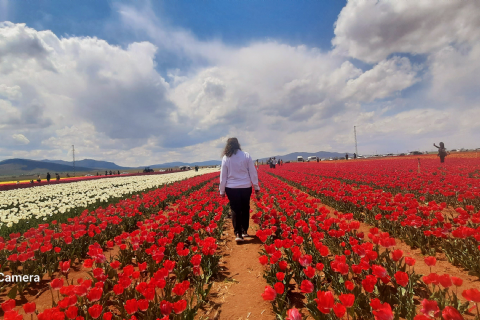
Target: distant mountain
point(321, 154)
point(90, 163)
point(24, 166)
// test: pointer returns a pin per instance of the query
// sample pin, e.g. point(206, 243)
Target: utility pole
point(355, 134)
point(73, 153)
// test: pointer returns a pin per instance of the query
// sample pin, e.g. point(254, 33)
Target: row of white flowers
point(40, 202)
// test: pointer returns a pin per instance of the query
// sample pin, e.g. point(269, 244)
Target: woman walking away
point(442, 152)
point(237, 176)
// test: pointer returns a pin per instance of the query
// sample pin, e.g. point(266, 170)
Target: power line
point(355, 134)
point(73, 153)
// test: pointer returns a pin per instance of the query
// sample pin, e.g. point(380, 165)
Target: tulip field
point(344, 273)
point(335, 240)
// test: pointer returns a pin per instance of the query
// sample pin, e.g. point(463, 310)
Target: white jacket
point(238, 171)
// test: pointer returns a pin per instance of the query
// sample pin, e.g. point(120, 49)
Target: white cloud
point(112, 103)
point(371, 30)
point(11, 93)
point(385, 78)
point(20, 138)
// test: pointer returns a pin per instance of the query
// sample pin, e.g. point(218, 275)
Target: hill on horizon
point(29, 167)
point(90, 163)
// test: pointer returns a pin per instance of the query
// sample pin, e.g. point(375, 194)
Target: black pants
point(240, 203)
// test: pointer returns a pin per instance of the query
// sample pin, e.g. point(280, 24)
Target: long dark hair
point(231, 148)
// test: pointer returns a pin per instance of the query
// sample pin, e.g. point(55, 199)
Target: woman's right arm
point(252, 172)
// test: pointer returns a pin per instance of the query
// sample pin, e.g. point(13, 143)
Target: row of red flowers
point(339, 272)
point(162, 270)
point(427, 226)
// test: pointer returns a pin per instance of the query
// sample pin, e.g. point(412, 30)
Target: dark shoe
point(238, 238)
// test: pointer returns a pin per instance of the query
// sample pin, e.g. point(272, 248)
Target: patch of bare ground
point(236, 293)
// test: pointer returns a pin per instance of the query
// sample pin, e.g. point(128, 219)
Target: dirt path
point(237, 293)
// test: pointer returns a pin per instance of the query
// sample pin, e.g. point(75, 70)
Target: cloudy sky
point(139, 82)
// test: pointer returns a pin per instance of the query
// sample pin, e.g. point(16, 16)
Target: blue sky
point(236, 22)
point(139, 82)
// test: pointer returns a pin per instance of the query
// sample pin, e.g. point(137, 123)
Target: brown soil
point(236, 295)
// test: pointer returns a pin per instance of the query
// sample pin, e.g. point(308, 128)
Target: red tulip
point(293, 314)
point(64, 266)
point(95, 311)
point(29, 308)
point(71, 312)
point(445, 280)
point(347, 299)
point(430, 308)
point(379, 271)
point(324, 301)
point(283, 265)
point(397, 255)
point(369, 283)
point(430, 261)
point(107, 316)
point(12, 315)
point(450, 313)
point(131, 306)
point(471, 295)
point(401, 278)
point(179, 306)
point(88, 263)
point(457, 281)
point(94, 294)
point(280, 276)
point(410, 261)
point(306, 286)
point(339, 310)
point(349, 285)
point(279, 288)
point(384, 312)
point(56, 284)
point(309, 272)
point(269, 294)
point(8, 305)
point(165, 307)
point(118, 289)
point(142, 304)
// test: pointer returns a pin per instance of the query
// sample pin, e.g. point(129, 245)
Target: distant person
point(97, 173)
point(318, 159)
point(57, 176)
point(48, 176)
point(110, 172)
point(256, 164)
point(237, 176)
point(354, 156)
point(346, 156)
point(31, 181)
point(68, 176)
point(106, 173)
point(118, 172)
point(442, 152)
point(39, 179)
